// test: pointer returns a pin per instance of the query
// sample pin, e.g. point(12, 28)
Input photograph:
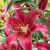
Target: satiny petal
point(6, 31)
point(42, 45)
point(31, 17)
point(4, 7)
point(26, 41)
point(48, 19)
point(18, 47)
point(16, 5)
point(12, 23)
point(3, 15)
point(20, 14)
point(2, 46)
point(12, 37)
point(45, 35)
point(1, 10)
point(39, 26)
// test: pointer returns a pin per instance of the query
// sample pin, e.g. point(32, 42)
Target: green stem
point(35, 1)
point(7, 2)
point(36, 37)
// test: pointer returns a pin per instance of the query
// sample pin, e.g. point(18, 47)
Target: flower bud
point(42, 4)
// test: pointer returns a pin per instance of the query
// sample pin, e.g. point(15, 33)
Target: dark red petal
point(39, 26)
point(12, 23)
point(48, 19)
point(28, 6)
point(26, 41)
point(1, 10)
point(18, 47)
point(2, 46)
point(31, 17)
point(12, 37)
point(4, 7)
point(20, 14)
point(42, 45)
point(3, 15)
point(45, 35)
point(6, 31)
point(42, 4)
point(16, 5)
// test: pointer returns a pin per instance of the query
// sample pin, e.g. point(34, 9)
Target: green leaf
point(1, 28)
point(42, 20)
point(48, 28)
point(13, 15)
point(21, 48)
point(47, 14)
point(40, 35)
point(29, 2)
point(4, 1)
point(10, 4)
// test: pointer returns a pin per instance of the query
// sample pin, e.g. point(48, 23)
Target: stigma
point(24, 29)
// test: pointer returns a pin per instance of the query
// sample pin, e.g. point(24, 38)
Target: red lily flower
point(48, 19)
point(1, 10)
point(16, 5)
point(42, 45)
point(45, 35)
point(3, 15)
point(6, 31)
point(4, 7)
point(11, 46)
point(41, 4)
point(22, 26)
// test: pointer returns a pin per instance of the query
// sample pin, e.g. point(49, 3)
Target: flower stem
point(36, 37)
point(35, 1)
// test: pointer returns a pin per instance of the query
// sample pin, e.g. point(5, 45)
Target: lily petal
point(12, 37)
point(31, 17)
point(26, 41)
point(4, 7)
point(45, 35)
point(5, 30)
point(48, 19)
point(39, 26)
point(16, 5)
point(3, 15)
point(42, 45)
point(1, 10)
point(20, 14)
point(11, 23)
point(2, 46)
point(18, 47)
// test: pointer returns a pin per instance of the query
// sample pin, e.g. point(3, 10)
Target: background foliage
point(40, 20)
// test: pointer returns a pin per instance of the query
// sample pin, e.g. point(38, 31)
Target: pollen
point(24, 29)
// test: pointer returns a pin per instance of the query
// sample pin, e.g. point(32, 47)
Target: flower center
point(24, 29)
